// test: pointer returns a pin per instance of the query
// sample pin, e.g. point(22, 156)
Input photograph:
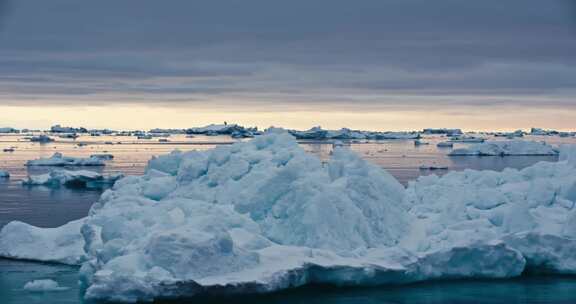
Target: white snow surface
point(505, 148)
point(60, 160)
point(73, 179)
point(43, 285)
point(63, 244)
point(263, 215)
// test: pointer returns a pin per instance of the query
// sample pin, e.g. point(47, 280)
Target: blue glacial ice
point(263, 215)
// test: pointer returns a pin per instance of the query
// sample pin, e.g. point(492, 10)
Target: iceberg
point(61, 245)
point(447, 132)
point(467, 139)
point(263, 215)
point(507, 148)
point(4, 130)
point(41, 139)
point(4, 174)
point(43, 286)
point(71, 130)
point(102, 156)
point(233, 130)
point(60, 160)
point(317, 133)
point(445, 144)
point(72, 179)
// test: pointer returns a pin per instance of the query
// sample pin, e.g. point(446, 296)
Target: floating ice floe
point(8, 130)
point(62, 245)
point(433, 167)
point(4, 174)
point(60, 160)
point(102, 156)
point(263, 215)
point(233, 130)
point(467, 139)
point(317, 133)
point(44, 285)
point(41, 139)
point(445, 144)
point(72, 179)
point(506, 148)
point(448, 132)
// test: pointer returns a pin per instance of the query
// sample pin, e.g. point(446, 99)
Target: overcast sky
point(402, 56)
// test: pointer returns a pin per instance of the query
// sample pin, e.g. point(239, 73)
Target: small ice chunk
point(43, 286)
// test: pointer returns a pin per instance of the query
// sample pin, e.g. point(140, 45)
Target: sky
point(365, 64)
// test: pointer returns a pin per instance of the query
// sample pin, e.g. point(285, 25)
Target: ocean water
point(53, 207)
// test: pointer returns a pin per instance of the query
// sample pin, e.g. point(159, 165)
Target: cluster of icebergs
point(57, 159)
point(507, 148)
point(317, 133)
point(234, 130)
point(263, 215)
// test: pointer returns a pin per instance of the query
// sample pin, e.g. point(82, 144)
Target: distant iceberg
point(72, 179)
point(103, 156)
point(317, 133)
point(4, 174)
point(8, 130)
point(507, 148)
point(60, 160)
point(263, 215)
point(448, 132)
point(233, 130)
point(41, 139)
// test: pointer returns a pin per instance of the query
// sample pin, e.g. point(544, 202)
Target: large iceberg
point(263, 215)
point(72, 179)
point(57, 159)
point(507, 148)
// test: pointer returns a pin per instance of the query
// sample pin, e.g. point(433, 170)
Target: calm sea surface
point(53, 207)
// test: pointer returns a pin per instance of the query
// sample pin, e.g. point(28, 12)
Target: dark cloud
point(291, 50)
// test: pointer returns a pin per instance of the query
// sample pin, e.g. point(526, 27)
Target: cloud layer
point(375, 53)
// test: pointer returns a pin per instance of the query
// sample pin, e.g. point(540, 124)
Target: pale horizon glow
point(141, 117)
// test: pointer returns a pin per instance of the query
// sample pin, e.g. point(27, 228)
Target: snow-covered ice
point(60, 160)
point(63, 244)
point(43, 285)
point(263, 215)
point(504, 148)
point(72, 179)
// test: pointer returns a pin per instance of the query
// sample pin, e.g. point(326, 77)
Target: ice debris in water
point(263, 215)
point(72, 179)
point(505, 148)
point(43, 286)
point(60, 160)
